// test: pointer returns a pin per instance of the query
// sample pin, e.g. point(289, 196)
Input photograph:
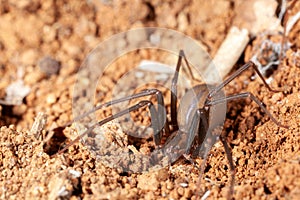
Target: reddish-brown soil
point(266, 156)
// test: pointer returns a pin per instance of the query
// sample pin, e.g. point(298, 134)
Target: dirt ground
point(37, 34)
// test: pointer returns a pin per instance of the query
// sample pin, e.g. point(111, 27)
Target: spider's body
point(196, 122)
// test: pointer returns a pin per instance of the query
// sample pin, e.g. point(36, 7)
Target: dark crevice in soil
point(151, 14)
point(55, 143)
point(267, 190)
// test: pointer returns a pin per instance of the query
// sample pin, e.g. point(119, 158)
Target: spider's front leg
point(154, 122)
point(158, 120)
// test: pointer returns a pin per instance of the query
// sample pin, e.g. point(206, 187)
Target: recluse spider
point(196, 118)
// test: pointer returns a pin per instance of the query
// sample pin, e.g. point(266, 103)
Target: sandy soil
point(44, 43)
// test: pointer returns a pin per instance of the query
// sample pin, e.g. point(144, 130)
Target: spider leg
point(237, 73)
point(143, 93)
point(174, 122)
point(190, 69)
point(253, 98)
point(202, 169)
point(194, 128)
point(154, 122)
point(231, 166)
point(209, 143)
point(198, 129)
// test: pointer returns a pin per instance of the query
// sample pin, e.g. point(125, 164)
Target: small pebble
point(184, 185)
point(29, 57)
point(182, 22)
point(188, 193)
point(170, 185)
point(75, 173)
point(20, 139)
point(180, 191)
point(51, 98)
point(49, 65)
point(19, 110)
